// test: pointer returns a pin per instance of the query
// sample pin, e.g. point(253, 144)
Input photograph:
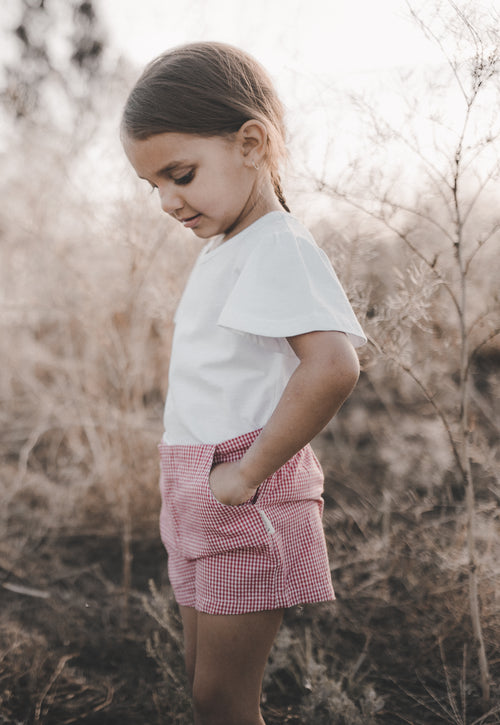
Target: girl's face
point(209, 184)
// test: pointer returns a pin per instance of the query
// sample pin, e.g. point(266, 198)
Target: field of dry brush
point(90, 275)
point(88, 629)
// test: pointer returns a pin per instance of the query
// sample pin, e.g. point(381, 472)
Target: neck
point(260, 202)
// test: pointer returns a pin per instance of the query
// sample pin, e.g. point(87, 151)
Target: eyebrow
point(171, 167)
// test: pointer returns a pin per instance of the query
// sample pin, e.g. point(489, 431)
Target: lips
point(191, 221)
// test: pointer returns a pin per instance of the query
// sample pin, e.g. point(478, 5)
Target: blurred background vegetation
point(90, 276)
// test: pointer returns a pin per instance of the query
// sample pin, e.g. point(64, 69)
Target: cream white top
point(230, 358)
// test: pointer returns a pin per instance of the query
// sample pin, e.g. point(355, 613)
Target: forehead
point(149, 156)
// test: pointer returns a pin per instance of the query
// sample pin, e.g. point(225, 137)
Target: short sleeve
point(287, 286)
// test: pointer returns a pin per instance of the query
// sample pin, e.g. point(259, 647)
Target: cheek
point(238, 183)
point(219, 192)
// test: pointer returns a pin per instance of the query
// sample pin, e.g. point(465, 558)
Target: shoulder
point(282, 254)
point(285, 224)
point(282, 232)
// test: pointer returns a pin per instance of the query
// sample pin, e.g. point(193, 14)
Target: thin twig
point(57, 672)
point(428, 396)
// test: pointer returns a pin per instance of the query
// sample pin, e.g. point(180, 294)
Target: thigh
point(189, 617)
point(231, 654)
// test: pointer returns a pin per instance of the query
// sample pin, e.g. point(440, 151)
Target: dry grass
point(85, 637)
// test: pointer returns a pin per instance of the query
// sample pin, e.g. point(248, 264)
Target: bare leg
point(189, 622)
point(230, 656)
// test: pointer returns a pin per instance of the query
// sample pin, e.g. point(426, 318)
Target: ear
point(252, 137)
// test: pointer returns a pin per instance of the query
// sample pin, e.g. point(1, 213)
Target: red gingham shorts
point(267, 553)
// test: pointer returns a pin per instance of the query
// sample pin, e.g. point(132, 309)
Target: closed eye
point(186, 179)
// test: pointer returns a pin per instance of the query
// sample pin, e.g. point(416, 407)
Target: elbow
point(339, 372)
point(329, 365)
point(342, 370)
point(346, 374)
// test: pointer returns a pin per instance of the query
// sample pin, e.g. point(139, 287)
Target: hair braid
point(279, 191)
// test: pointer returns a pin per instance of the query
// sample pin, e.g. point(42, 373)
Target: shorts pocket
point(228, 528)
point(193, 520)
point(216, 501)
point(184, 470)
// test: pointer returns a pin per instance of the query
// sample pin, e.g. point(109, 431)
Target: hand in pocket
point(228, 485)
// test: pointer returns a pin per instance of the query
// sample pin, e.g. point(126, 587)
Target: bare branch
point(426, 217)
point(437, 177)
point(489, 177)
point(429, 396)
point(481, 244)
point(491, 336)
point(404, 237)
point(432, 36)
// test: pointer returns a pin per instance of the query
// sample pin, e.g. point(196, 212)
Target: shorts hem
point(228, 608)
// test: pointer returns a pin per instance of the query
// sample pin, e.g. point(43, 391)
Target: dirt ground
point(75, 646)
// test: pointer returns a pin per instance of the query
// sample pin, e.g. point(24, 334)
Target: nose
point(170, 198)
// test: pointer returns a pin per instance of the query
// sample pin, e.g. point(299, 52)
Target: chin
point(203, 235)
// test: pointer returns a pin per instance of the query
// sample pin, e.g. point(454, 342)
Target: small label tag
point(267, 523)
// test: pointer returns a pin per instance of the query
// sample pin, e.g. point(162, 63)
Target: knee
point(209, 706)
point(216, 706)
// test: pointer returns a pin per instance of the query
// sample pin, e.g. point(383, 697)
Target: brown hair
point(209, 89)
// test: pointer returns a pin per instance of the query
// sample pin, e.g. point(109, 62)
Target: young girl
point(263, 356)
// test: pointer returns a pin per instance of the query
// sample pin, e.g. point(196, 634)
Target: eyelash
point(186, 179)
point(182, 181)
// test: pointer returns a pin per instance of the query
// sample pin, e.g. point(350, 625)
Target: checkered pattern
point(265, 554)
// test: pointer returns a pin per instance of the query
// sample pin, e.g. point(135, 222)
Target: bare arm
point(327, 372)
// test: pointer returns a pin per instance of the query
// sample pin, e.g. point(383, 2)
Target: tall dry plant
point(429, 176)
point(86, 318)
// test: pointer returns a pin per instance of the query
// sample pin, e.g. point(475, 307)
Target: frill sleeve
point(287, 286)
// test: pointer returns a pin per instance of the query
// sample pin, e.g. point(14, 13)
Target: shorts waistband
point(241, 442)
